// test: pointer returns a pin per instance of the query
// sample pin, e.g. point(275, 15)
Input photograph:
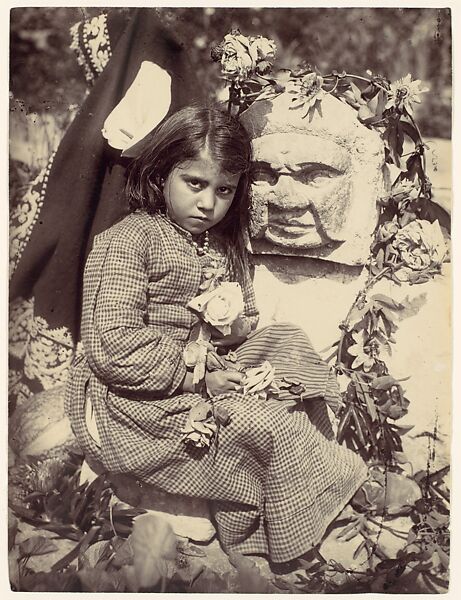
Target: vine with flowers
point(408, 246)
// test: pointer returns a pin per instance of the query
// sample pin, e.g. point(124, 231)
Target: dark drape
point(83, 194)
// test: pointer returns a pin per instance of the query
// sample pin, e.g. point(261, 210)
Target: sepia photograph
point(229, 299)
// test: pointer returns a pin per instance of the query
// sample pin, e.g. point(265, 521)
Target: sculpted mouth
point(294, 227)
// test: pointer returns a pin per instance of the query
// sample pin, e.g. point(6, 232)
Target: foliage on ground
point(120, 548)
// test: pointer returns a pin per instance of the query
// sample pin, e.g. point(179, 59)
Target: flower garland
point(408, 246)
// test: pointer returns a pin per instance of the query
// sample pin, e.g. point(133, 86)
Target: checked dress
point(276, 480)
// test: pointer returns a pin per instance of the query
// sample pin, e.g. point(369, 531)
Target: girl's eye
point(195, 183)
point(224, 191)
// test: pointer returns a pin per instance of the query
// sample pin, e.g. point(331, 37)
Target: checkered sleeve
point(128, 355)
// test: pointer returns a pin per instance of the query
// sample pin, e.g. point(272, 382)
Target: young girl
point(274, 479)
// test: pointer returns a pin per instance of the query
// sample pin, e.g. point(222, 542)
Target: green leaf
point(359, 549)
point(380, 259)
point(370, 91)
point(387, 301)
point(50, 582)
point(348, 532)
point(436, 580)
point(69, 532)
point(154, 545)
point(401, 458)
point(444, 558)
point(402, 430)
point(97, 580)
point(188, 549)
point(361, 433)
point(124, 554)
point(95, 554)
point(250, 580)
point(36, 546)
point(383, 383)
point(414, 166)
point(364, 113)
point(209, 582)
point(382, 101)
point(356, 91)
point(191, 571)
point(394, 137)
point(409, 130)
point(81, 546)
point(431, 211)
point(131, 580)
point(343, 423)
point(25, 513)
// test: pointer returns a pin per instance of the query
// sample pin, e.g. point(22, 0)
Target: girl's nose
point(206, 199)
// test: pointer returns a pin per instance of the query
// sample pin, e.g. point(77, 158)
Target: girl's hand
point(220, 382)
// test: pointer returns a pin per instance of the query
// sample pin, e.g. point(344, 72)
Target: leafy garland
point(408, 243)
point(408, 246)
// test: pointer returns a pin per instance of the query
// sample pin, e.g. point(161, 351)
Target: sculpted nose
point(289, 193)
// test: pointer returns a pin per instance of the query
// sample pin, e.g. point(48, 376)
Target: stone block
point(189, 517)
point(40, 425)
point(316, 296)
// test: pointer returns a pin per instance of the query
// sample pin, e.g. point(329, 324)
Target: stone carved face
point(303, 179)
point(316, 183)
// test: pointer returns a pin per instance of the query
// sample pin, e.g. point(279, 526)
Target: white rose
point(265, 47)
point(421, 244)
point(238, 58)
point(221, 306)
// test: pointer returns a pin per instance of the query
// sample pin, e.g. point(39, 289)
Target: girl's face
point(198, 193)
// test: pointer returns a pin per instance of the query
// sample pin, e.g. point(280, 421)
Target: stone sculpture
point(316, 182)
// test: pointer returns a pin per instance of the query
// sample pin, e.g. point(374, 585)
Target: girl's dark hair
point(180, 138)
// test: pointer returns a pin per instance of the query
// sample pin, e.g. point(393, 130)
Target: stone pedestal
point(40, 425)
point(189, 517)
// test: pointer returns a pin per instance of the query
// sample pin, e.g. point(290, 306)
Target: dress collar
point(178, 228)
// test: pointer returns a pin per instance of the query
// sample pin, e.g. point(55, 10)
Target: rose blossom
point(221, 306)
point(236, 58)
point(265, 47)
point(241, 55)
point(420, 245)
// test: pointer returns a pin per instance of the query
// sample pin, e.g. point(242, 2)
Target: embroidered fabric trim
point(17, 389)
point(91, 44)
point(47, 353)
point(25, 215)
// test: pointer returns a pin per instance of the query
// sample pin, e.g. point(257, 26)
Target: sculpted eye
point(317, 174)
point(262, 173)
